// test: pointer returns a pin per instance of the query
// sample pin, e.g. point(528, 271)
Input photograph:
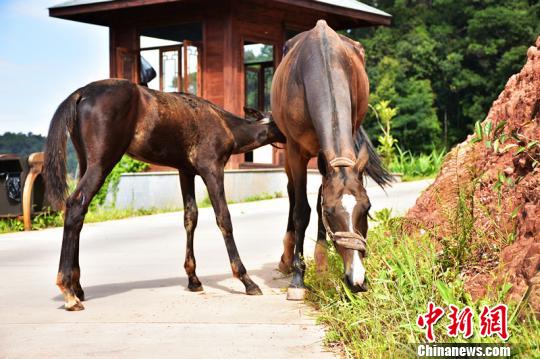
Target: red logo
point(460, 322)
point(494, 321)
point(429, 319)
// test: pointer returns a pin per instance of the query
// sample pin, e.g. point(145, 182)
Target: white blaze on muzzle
point(357, 272)
point(348, 201)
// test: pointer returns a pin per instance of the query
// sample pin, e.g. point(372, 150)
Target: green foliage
point(126, 165)
point(457, 246)
point(444, 62)
point(415, 125)
point(405, 273)
point(262, 197)
point(97, 214)
point(48, 219)
point(413, 167)
point(8, 225)
point(384, 114)
point(21, 144)
point(25, 144)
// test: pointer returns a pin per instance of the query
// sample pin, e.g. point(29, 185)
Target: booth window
point(174, 53)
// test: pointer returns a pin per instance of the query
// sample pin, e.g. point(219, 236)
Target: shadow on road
point(267, 276)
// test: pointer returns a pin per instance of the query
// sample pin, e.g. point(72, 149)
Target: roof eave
point(80, 12)
point(70, 11)
point(364, 16)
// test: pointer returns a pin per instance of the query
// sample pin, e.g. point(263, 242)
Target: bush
point(126, 165)
point(417, 166)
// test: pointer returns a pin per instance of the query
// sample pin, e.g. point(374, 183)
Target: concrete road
point(137, 301)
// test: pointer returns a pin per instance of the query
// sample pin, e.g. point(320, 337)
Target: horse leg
point(187, 183)
point(213, 178)
point(285, 264)
point(76, 207)
point(321, 255)
point(301, 214)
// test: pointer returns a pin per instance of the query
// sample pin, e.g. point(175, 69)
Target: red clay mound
point(489, 188)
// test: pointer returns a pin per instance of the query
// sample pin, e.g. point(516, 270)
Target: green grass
point(415, 167)
point(205, 202)
point(95, 214)
point(263, 196)
point(404, 274)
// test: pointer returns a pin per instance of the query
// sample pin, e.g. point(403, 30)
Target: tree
point(415, 126)
point(453, 58)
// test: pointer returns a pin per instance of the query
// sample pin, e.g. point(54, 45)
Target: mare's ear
point(362, 159)
point(253, 114)
point(322, 163)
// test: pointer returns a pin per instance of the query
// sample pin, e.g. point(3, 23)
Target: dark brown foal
point(109, 118)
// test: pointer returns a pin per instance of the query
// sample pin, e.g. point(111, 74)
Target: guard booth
point(223, 50)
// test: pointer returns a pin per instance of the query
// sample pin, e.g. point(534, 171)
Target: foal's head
point(345, 207)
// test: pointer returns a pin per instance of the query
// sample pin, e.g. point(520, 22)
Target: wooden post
point(35, 164)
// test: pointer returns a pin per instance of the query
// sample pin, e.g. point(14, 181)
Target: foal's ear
point(253, 114)
point(362, 160)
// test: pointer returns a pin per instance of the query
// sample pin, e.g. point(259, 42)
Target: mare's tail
point(55, 150)
point(374, 168)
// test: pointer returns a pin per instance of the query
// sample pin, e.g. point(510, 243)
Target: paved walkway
point(137, 302)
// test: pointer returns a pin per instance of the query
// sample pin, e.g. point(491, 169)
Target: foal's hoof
point(296, 293)
point(195, 287)
point(254, 290)
point(73, 305)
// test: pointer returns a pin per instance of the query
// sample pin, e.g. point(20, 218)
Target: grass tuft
point(415, 167)
point(404, 274)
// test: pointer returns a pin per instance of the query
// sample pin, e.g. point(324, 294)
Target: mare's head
point(345, 207)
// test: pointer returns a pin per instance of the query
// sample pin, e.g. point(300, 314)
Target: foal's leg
point(213, 177)
point(187, 183)
point(301, 214)
point(321, 255)
point(76, 208)
point(285, 264)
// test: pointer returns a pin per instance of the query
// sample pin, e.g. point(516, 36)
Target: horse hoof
point(296, 293)
point(284, 268)
point(255, 290)
point(80, 294)
point(195, 287)
point(74, 305)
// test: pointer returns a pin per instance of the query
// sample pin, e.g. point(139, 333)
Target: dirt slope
point(489, 190)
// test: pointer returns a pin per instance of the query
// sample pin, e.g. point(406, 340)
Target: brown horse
point(106, 119)
point(319, 98)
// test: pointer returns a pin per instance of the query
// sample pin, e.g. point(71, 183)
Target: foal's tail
point(55, 150)
point(374, 168)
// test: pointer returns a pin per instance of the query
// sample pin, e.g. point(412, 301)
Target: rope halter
point(349, 240)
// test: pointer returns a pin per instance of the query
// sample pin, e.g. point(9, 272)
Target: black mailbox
point(13, 171)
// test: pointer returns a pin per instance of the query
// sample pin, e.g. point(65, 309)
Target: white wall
point(162, 189)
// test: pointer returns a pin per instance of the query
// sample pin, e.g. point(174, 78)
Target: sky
point(43, 60)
